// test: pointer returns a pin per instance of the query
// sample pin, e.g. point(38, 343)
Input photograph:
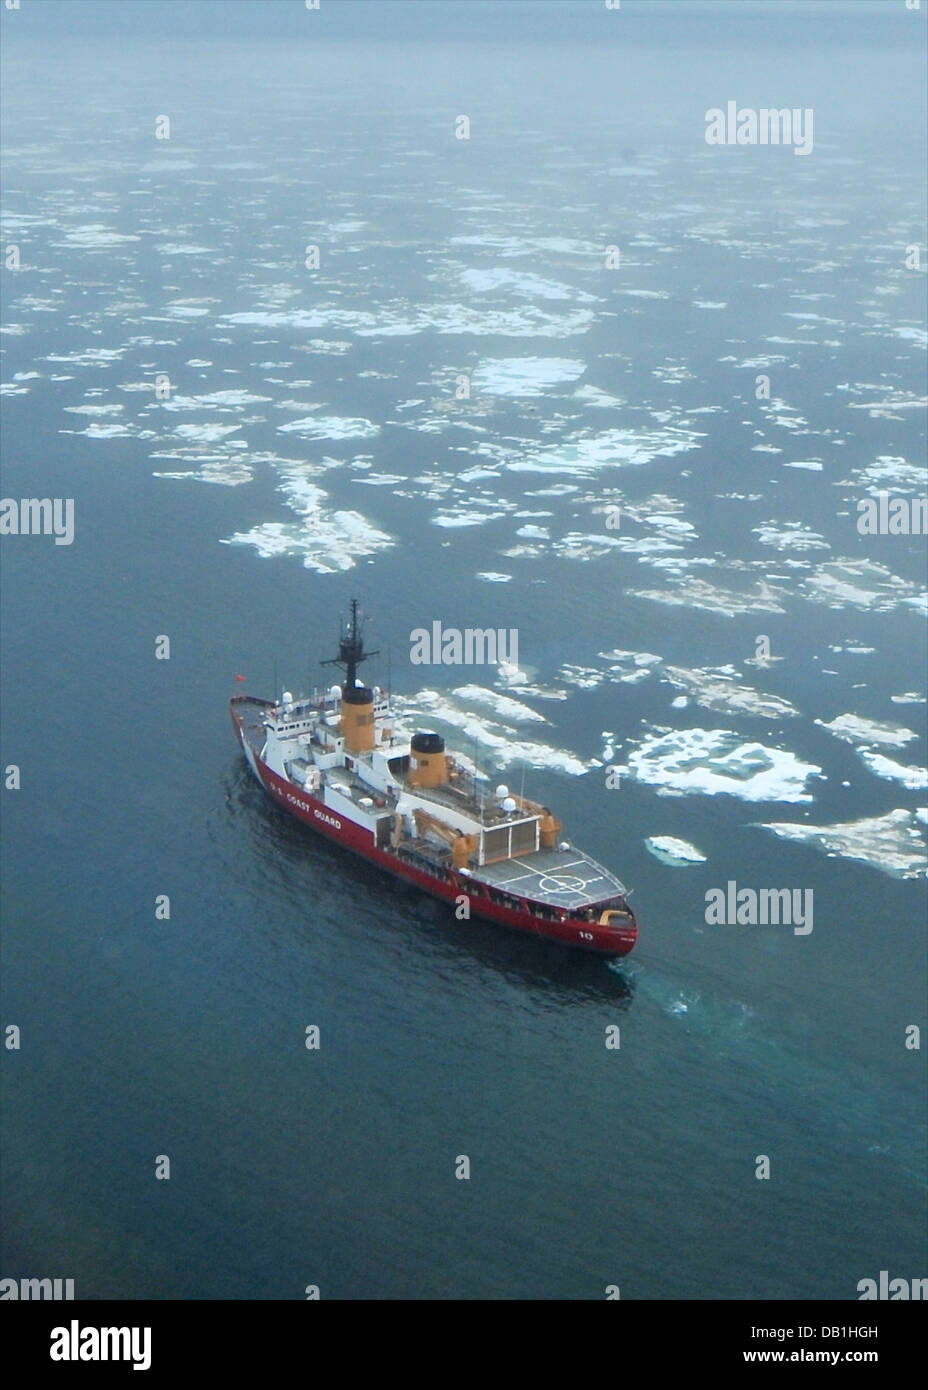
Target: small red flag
point(239, 678)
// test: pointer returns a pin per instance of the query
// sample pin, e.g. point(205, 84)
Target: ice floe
point(889, 472)
point(207, 434)
point(715, 688)
point(913, 335)
point(628, 668)
point(188, 309)
point(521, 283)
point(95, 431)
point(330, 427)
point(790, 535)
point(529, 245)
point(865, 735)
point(475, 513)
point(677, 853)
point(691, 592)
point(524, 376)
point(94, 235)
point(859, 584)
point(496, 743)
point(581, 677)
point(914, 778)
point(710, 761)
point(583, 454)
point(891, 843)
point(888, 408)
point(89, 357)
point(217, 400)
point(526, 321)
point(328, 542)
point(503, 705)
point(219, 470)
point(855, 729)
point(600, 400)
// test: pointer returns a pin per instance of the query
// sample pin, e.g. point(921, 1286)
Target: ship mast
point(350, 648)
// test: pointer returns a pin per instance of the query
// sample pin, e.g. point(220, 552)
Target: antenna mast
point(351, 648)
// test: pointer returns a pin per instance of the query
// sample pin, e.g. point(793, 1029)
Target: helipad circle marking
point(563, 883)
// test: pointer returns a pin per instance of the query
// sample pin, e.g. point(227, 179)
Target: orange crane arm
point(462, 846)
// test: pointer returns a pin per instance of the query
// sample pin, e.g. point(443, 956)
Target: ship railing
point(614, 913)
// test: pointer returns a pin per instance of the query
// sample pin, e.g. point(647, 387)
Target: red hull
point(589, 936)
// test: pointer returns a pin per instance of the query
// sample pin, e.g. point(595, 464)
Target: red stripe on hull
point(589, 936)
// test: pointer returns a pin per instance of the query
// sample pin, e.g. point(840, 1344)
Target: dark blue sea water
point(443, 258)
